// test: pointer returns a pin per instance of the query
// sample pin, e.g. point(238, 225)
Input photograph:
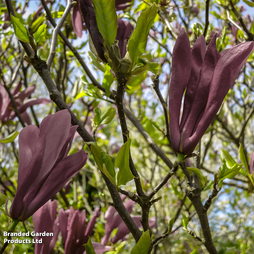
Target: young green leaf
point(40, 34)
point(185, 221)
point(89, 247)
point(170, 225)
point(106, 19)
point(36, 24)
point(9, 138)
point(243, 158)
point(122, 162)
point(108, 79)
point(138, 39)
point(19, 30)
point(104, 162)
point(249, 3)
point(143, 244)
point(228, 158)
point(3, 199)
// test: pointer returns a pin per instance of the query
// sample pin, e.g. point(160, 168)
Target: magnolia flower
point(252, 163)
point(206, 75)
point(114, 220)
point(44, 220)
point(44, 166)
point(124, 30)
point(77, 19)
point(75, 233)
point(123, 33)
point(6, 108)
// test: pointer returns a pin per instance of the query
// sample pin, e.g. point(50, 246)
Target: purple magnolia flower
point(123, 33)
point(44, 166)
point(6, 109)
point(75, 233)
point(114, 220)
point(124, 30)
point(207, 75)
point(252, 163)
point(45, 220)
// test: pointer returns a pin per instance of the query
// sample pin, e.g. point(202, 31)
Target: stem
point(122, 80)
point(12, 227)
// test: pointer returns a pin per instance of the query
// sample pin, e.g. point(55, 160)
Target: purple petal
point(91, 224)
point(63, 172)
point(181, 70)
point(197, 57)
point(124, 31)
point(77, 20)
point(212, 56)
point(225, 73)
point(44, 220)
point(252, 163)
point(63, 223)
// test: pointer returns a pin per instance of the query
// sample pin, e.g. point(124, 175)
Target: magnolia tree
point(126, 126)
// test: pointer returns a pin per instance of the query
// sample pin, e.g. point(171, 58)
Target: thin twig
point(207, 2)
point(164, 105)
point(249, 34)
point(56, 32)
point(164, 181)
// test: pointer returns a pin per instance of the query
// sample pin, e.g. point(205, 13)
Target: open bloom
point(206, 75)
point(44, 166)
point(45, 221)
point(75, 233)
point(6, 108)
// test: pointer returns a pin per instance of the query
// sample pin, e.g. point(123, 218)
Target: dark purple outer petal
point(77, 20)
point(197, 57)
point(63, 223)
point(252, 163)
point(44, 220)
point(63, 172)
point(124, 31)
point(91, 224)
point(225, 73)
point(202, 89)
point(181, 70)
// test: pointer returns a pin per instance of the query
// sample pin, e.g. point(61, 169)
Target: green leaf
point(243, 159)
point(10, 138)
point(40, 34)
point(122, 162)
point(3, 199)
point(36, 24)
point(104, 118)
point(107, 80)
point(106, 19)
point(185, 221)
point(138, 39)
point(154, 68)
point(249, 3)
point(143, 244)
point(170, 225)
point(104, 162)
point(19, 30)
point(228, 158)
point(89, 247)
point(95, 62)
